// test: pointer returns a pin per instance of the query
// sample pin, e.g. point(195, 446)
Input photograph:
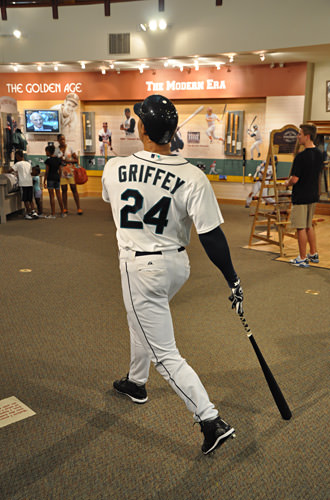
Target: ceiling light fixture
point(143, 27)
point(165, 64)
point(218, 66)
point(162, 24)
point(262, 57)
point(83, 65)
point(153, 25)
point(103, 71)
point(55, 67)
point(39, 67)
point(17, 33)
point(15, 68)
point(231, 59)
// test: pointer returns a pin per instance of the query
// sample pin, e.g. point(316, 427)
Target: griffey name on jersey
point(151, 175)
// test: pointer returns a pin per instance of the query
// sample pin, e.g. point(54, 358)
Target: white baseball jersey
point(104, 134)
point(163, 195)
point(211, 119)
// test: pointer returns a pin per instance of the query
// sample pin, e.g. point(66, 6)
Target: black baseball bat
point(272, 384)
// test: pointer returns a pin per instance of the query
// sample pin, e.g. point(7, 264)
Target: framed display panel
point(234, 133)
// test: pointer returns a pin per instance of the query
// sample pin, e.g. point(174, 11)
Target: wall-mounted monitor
point(42, 121)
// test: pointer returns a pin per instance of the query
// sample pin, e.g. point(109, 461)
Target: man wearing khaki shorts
point(305, 179)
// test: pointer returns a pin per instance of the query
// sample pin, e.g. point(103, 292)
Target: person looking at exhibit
point(69, 160)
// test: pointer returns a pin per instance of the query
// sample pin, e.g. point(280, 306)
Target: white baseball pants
point(149, 282)
point(255, 145)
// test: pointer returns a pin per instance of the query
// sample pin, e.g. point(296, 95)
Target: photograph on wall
point(328, 95)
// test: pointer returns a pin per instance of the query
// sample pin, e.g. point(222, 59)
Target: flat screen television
point(42, 121)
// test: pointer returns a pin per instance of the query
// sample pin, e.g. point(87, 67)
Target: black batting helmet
point(159, 117)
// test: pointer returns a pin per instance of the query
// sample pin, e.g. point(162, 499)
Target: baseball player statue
point(155, 197)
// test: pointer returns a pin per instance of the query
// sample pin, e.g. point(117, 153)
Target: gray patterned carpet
point(64, 340)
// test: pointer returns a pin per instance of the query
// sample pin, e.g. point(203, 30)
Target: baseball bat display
point(198, 110)
point(84, 129)
point(226, 131)
point(272, 384)
point(236, 131)
point(231, 132)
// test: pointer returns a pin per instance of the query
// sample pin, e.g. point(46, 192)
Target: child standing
point(23, 170)
point(52, 180)
point(37, 191)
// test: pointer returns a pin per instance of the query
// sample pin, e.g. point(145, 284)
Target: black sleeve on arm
point(131, 125)
point(217, 249)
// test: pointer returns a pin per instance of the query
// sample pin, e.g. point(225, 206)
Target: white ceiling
point(312, 54)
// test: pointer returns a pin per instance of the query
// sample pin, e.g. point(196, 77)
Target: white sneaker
point(299, 262)
point(28, 216)
point(51, 216)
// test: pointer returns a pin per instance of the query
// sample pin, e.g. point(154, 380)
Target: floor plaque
point(12, 410)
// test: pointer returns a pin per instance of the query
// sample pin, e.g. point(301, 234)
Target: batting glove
point(236, 297)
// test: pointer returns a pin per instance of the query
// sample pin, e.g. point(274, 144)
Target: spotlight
point(142, 27)
point(162, 24)
point(39, 68)
point(231, 59)
point(103, 71)
point(17, 33)
point(55, 67)
point(262, 57)
point(83, 65)
point(165, 64)
point(153, 25)
point(15, 68)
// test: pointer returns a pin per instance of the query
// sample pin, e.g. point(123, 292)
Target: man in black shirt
point(305, 179)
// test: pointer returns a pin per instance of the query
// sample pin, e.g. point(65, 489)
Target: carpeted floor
point(64, 340)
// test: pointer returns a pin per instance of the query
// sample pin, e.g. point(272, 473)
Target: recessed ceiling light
point(153, 25)
point(162, 24)
point(17, 33)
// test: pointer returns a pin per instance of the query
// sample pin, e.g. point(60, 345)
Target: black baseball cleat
point(137, 393)
point(216, 432)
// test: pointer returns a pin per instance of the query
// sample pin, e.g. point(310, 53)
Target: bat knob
point(233, 436)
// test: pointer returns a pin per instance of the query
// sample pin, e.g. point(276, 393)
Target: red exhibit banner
point(207, 83)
